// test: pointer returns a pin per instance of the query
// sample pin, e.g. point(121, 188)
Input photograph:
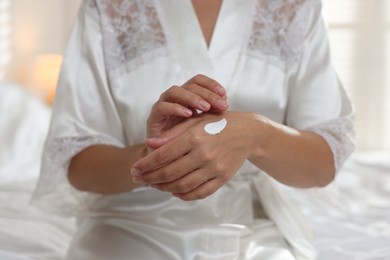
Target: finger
point(163, 110)
point(208, 83)
point(216, 101)
point(169, 134)
point(160, 157)
point(186, 98)
point(171, 172)
point(185, 184)
point(155, 143)
point(201, 192)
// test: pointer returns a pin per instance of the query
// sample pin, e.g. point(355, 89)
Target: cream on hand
point(215, 127)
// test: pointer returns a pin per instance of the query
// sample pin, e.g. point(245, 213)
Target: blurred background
point(33, 35)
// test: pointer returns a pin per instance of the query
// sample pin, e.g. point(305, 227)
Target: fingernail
point(220, 90)
point(137, 179)
point(187, 112)
point(222, 103)
point(204, 105)
point(135, 172)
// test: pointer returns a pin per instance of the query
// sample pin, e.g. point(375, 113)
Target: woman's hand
point(193, 164)
point(178, 103)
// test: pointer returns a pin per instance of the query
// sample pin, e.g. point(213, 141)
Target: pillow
point(24, 122)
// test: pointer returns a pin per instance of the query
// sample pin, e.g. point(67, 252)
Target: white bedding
point(24, 230)
point(355, 226)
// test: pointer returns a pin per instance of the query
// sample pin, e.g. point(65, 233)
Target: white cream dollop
point(215, 127)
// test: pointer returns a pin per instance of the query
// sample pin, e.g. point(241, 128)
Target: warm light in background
point(46, 71)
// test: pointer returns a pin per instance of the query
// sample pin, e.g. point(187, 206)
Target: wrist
point(261, 135)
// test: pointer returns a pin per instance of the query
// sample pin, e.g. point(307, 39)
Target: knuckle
point(191, 87)
point(169, 92)
point(156, 106)
point(182, 187)
point(166, 175)
point(164, 95)
point(205, 157)
point(198, 77)
point(195, 139)
point(158, 109)
point(219, 167)
point(174, 91)
point(161, 157)
point(201, 194)
point(174, 88)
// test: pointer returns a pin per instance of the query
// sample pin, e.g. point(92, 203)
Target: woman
point(129, 100)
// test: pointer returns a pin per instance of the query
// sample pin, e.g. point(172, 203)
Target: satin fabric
point(248, 218)
point(149, 224)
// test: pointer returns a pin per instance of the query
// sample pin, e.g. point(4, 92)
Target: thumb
point(169, 134)
point(155, 143)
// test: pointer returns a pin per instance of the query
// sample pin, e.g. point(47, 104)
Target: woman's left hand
point(195, 164)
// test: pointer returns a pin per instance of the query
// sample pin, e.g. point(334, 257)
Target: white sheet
point(24, 121)
point(11, 256)
point(24, 230)
point(27, 231)
point(356, 226)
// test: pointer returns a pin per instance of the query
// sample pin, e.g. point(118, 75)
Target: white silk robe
point(272, 56)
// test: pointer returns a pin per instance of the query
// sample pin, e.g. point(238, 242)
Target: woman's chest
point(256, 87)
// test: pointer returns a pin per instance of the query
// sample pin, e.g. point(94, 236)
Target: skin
point(180, 158)
point(207, 12)
point(88, 169)
point(192, 164)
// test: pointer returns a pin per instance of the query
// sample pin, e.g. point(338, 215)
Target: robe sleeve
point(317, 100)
point(84, 114)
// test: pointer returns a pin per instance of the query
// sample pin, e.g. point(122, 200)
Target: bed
point(353, 225)
point(25, 231)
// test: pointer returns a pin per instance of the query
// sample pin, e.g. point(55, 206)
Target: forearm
point(105, 169)
point(296, 158)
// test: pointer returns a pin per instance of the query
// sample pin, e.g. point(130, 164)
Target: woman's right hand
point(181, 102)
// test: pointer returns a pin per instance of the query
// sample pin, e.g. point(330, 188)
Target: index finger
point(160, 157)
point(208, 83)
point(170, 134)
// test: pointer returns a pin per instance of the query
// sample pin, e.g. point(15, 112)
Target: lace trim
point(54, 192)
point(279, 29)
point(132, 32)
point(339, 134)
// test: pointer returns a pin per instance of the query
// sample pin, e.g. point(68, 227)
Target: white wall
point(360, 39)
point(39, 27)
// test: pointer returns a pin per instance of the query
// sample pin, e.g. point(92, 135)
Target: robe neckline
point(220, 59)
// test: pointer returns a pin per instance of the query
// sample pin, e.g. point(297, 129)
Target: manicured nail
point(135, 172)
point(137, 179)
point(204, 105)
point(187, 112)
point(222, 103)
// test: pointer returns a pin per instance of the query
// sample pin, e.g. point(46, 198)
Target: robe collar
point(188, 44)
